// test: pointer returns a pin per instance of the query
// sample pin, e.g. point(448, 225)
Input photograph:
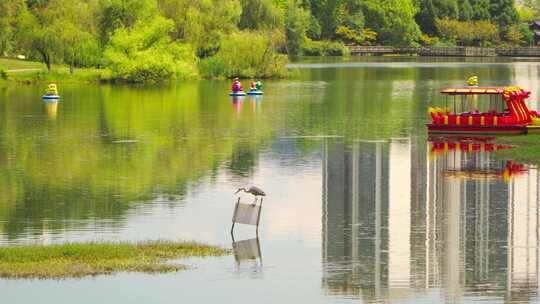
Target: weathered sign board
point(246, 250)
point(248, 214)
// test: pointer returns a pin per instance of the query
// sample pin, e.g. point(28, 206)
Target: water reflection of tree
point(113, 148)
point(243, 160)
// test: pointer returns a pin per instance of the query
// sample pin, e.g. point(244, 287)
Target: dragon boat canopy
point(503, 111)
point(473, 91)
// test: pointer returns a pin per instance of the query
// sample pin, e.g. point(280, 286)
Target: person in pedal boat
point(51, 89)
point(236, 86)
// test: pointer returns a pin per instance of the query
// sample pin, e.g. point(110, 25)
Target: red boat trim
point(457, 129)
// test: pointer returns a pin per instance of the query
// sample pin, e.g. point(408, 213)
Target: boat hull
point(255, 92)
point(50, 97)
point(237, 94)
point(468, 129)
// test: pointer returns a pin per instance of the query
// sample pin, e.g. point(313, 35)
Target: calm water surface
point(362, 207)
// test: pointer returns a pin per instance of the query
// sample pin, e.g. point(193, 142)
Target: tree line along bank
point(154, 40)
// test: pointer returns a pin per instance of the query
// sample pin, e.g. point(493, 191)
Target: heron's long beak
point(238, 190)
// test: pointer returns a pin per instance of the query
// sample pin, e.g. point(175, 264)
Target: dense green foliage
point(117, 34)
point(459, 32)
point(323, 48)
point(259, 59)
point(393, 20)
point(202, 23)
point(147, 54)
point(297, 23)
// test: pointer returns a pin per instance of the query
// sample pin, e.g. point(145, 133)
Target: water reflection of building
point(397, 220)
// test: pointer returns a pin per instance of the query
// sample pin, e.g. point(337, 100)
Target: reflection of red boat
point(443, 145)
point(505, 112)
point(464, 144)
point(509, 170)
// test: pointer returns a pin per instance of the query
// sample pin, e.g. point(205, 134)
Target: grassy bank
point(24, 71)
point(15, 64)
point(60, 75)
point(167, 61)
point(88, 259)
point(526, 148)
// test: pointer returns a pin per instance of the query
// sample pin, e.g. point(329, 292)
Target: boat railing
point(491, 118)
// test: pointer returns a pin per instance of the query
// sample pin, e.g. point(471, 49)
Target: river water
point(361, 205)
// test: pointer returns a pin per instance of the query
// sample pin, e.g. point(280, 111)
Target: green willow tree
point(146, 53)
point(77, 33)
point(114, 14)
point(260, 15)
point(202, 23)
point(9, 13)
point(59, 31)
point(296, 26)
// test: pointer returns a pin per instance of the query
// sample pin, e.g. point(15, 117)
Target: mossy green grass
point(16, 64)
point(76, 260)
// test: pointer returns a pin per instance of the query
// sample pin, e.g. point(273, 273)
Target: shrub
point(478, 33)
point(485, 33)
point(349, 35)
point(147, 54)
point(246, 54)
point(514, 35)
point(3, 73)
point(212, 67)
point(311, 48)
point(369, 35)
point(335, 48)
point(528, 36)
point(323, 48)
point(443, 44)
point(427, 40)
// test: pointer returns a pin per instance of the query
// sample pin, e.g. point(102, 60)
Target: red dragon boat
point(505, 112)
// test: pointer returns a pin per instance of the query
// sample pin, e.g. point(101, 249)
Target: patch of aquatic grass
point(88, 259)
point(526, 149)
